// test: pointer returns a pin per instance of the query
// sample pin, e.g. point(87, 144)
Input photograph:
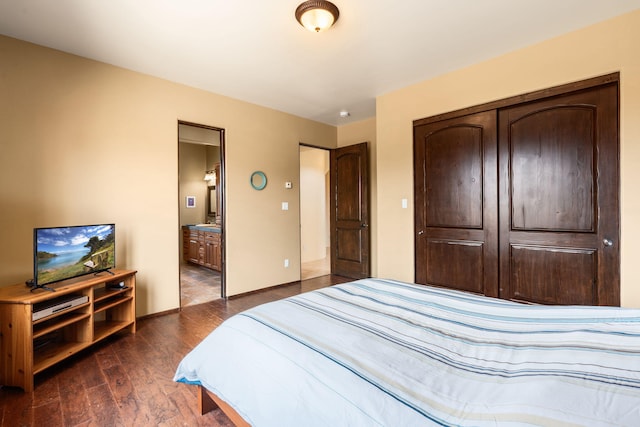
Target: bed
point(379, 352)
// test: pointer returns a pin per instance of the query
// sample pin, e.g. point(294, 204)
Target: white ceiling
point(255, 50)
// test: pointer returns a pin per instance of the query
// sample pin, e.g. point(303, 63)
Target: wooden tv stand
point(29, 346)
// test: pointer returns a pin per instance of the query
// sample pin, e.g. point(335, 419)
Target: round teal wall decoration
point(258, 180)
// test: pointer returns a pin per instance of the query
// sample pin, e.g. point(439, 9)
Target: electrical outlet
point(286, 263)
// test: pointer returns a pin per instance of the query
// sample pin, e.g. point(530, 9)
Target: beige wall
point(213, 156)
point(192, 160)
point(85, 142)
point(600, 49)
point(355, 133)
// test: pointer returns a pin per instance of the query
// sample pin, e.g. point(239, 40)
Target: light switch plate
point(285, 206)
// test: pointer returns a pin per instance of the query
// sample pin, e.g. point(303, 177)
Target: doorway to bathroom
point(315, 236)
point(201, 213)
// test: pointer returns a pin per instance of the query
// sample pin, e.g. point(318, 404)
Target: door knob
point(421, 232)
point(607, 242)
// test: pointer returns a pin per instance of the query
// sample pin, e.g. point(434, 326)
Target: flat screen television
point(62, 253)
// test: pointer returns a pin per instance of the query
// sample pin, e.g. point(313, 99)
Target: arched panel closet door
point(456, 203)
point(559, 205)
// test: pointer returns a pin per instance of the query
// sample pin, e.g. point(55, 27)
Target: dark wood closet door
point(456, 206)
point(559, 206)
point(350, 211)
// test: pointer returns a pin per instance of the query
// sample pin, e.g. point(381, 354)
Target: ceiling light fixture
point(210, 176)
point(317, 15)
point(344, 114)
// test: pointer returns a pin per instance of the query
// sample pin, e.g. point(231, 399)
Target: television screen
point(65, 252)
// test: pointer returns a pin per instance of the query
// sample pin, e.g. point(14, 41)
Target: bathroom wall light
point(210, 176)
point(317, 15)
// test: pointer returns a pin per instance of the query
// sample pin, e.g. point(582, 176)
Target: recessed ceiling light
point(344, 114)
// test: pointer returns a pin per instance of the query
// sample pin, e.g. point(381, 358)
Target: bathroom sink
point(213, 227)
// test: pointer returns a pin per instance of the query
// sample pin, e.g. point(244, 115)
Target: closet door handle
point(607, 242)
point(420, 233)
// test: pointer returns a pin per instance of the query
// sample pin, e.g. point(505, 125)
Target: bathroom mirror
point(211, 195)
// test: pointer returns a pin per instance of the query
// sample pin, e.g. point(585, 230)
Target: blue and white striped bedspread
point(385, 353)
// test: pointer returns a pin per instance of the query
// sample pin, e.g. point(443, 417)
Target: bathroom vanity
point(202, 245)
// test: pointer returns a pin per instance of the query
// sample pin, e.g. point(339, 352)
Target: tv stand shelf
point(28, 347)
point(57, 323)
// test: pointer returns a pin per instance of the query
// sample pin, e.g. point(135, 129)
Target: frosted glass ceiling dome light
point(210, 176)
point(317, 15)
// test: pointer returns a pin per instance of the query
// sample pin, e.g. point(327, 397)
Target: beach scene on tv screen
point(66, 252)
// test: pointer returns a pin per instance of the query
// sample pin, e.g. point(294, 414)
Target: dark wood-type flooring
point(127, 380)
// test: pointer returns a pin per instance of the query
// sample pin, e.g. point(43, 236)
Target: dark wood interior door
point(456, 220)
point(350, 235)
point(519, 198)
point(559, 203)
